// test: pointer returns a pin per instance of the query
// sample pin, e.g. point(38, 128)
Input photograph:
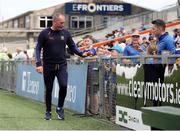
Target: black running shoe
point(60, 113)
point(47, 116)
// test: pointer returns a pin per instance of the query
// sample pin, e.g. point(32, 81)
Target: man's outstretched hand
point(85, 54)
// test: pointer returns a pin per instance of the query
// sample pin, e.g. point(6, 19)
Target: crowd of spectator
point(19, 55)
point(134, 46)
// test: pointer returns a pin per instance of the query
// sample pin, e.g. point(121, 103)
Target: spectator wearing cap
point(134, 48)
point(115, 51)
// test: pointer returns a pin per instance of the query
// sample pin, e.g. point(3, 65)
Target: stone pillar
point(178, 9)
point(30, 40)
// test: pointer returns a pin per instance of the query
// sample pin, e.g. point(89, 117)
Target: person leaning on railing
point(89, 49)
point(155, 72)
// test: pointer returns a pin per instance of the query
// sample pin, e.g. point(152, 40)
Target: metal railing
point(8, 74)
point(101, 87)
point(8, 69)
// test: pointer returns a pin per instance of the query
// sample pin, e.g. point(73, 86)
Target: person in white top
point(20, 55)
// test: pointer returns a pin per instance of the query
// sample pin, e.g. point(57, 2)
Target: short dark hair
point(144, 38)
point(159, 23)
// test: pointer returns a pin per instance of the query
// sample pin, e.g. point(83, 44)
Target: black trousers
point(50, 71)
point(152, 73)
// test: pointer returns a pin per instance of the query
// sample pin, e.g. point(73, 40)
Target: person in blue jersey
point(53, 41)
point(133, 49)
point(165, 42)
point(155, 72)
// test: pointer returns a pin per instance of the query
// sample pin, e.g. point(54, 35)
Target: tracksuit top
point(54, 46)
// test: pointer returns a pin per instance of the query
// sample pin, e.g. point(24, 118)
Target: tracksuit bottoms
point(50, 72)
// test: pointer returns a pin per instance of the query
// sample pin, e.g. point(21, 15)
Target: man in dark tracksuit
point(53, 40)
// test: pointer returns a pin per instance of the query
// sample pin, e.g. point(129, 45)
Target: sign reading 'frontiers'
point(98, 8)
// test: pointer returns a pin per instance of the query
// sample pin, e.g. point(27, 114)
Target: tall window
point(45, 21)
point(27, 22)
point(74, 22)
point(15, 23)
point(105, 20)
point(89, 21)
point(81, 22)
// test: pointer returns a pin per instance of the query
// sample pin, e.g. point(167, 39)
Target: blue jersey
point(143, 47)
point(166, 42)
point(130, 51)
point(54, 46)
point(92, 50)
point(177, 51)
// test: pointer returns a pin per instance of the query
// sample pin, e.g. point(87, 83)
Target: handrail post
point(101, 87)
